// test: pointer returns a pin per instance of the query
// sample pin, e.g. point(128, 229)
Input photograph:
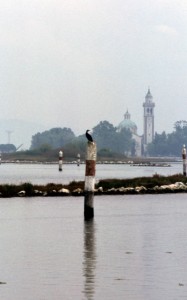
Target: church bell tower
point(148, 106)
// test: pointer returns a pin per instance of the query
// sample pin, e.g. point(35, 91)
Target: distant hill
point(19, 132)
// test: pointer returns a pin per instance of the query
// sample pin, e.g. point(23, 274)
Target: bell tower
point(148, 106)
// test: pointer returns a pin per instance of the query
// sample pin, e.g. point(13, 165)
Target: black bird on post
point(89, 137)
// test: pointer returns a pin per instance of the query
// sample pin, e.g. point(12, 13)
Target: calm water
point(136, 248)
point(43, 174)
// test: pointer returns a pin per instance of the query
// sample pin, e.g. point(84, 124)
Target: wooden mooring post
point(89, 184)
point(184, 159)
point(60, 160)
point(78, 160)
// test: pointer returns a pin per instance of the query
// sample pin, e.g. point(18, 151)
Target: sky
point(74, 63)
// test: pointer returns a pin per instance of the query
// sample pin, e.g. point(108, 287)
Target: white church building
point(141, 141)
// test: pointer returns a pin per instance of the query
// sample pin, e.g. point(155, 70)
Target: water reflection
point(89, 260)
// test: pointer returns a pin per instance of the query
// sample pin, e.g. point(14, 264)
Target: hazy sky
point(73, 63)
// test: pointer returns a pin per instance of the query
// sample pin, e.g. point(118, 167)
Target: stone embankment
point(156, 184)
point(178, 187)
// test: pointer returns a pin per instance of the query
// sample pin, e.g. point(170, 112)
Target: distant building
point(149, 132)
point(141, 141)
point(128, 124)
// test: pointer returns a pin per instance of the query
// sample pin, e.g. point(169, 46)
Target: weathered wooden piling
point(60, 160)
point(89, 185)
point(184, 159)
point(78, 160)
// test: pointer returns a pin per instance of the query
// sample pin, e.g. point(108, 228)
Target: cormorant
point(89, 137)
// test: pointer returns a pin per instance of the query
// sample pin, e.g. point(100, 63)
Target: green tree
point(169, 144)
point(77, 145)
point(45, 148)
point(105, 135)
point(177, 138)
point(124, 141)
point(55, 137)
point(159, 146)
point(7, 148)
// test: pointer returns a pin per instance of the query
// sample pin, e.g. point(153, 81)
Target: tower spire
point(148, 97)
point(148, 119)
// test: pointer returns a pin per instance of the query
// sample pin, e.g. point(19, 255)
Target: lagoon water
point(43, 174)
point(135, 249)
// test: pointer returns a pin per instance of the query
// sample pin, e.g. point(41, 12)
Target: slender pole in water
point(89, 184)
point(60, 160)
point(184, 159)
point(78, 160)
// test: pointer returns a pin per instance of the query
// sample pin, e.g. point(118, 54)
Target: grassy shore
point(147, 182)
point(106, 186)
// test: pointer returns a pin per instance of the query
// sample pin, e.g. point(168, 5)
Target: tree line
point(109, 140)
point(169, 144)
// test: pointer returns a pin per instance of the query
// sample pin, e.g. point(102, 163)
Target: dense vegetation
point(52, 139)
point(5, 148)
point(148, 182)
point(108, 137)
point(76, 188)
point(110, 142)
point(169, 144)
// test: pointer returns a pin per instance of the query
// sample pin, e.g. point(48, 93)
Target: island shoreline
point(156, 184)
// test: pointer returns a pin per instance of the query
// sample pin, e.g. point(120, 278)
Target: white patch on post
point(91, 152)
point(89, 184)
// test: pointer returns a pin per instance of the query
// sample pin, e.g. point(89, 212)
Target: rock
point(174, 187)
point(100, 189)
point(128, 189)
point(63, 191)
point(140, 189)
point(77, 191)
point(21, 193)
point(156, 188)
point(112, 190)
point(38, 193)
point(181, 185)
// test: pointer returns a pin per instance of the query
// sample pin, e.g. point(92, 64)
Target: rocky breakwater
point(178, 187)
point(141, 185)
